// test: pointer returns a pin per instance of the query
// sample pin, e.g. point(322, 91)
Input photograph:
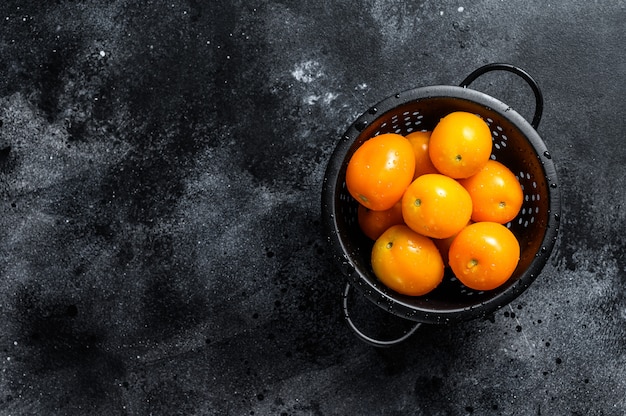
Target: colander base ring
point(366, 338)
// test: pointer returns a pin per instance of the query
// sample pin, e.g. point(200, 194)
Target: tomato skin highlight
point(380, 170)
point(407, 262)
point(484, 255)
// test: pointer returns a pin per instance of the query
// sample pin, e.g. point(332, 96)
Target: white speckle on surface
point(307, 71)
point(460, 9)
point(329, 97)
point(103, 54)
point(311, 99)
point(326, 98)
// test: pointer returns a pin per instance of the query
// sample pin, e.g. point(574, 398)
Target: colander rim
point(390, 300)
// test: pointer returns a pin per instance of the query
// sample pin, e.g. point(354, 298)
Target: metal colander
point(515, 143)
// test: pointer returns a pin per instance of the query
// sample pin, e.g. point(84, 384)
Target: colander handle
point(372, 341)
point(517, 71)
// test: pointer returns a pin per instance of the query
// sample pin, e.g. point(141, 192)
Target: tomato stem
point(418, 202)
point(472, 263)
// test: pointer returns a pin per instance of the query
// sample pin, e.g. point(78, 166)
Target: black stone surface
point(161, 249)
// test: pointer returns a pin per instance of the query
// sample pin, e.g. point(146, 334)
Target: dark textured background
point(161, 250)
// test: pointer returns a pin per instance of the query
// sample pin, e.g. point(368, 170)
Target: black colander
point(515, 143)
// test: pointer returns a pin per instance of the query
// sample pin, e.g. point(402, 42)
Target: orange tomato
point(380, 170)
point(423, 165)
point(406, 261)
point(460, 144)
point(496, 193)
point(436, 206)
point(374, 223)
point(484, 255)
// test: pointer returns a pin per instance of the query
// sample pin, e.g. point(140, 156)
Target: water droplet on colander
point(373, 110)
point(553, 185)
point(544, 249)
point(360, 125)
point(557, 217)
point(547, 155)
